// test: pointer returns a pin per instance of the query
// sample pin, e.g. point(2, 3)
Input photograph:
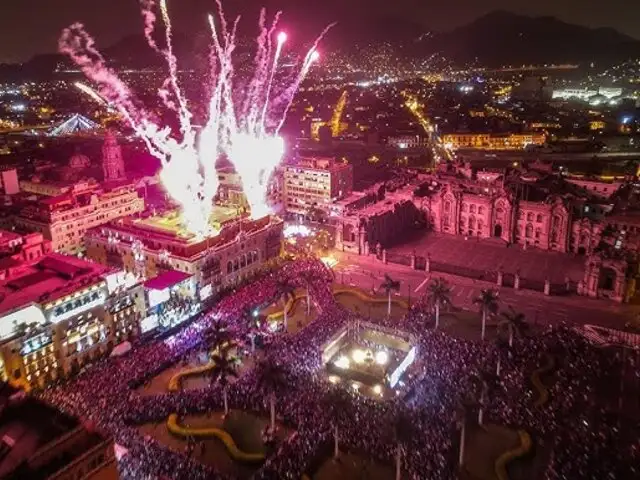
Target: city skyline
point(20, 39)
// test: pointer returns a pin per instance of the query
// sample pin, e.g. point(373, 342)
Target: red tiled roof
point(166, 280)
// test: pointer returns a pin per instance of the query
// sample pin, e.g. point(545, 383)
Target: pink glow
point(242, 123)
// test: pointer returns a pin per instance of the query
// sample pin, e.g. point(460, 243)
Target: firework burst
point(243, 120)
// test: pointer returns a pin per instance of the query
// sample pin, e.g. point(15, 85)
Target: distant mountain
point(504, 38)
point(496, 39)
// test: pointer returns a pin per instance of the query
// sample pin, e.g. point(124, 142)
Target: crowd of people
point(579, 439)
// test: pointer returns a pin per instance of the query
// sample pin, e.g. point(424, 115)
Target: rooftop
point(166, 280)
point(165, 232)
point(51, 277)
point(29, 432)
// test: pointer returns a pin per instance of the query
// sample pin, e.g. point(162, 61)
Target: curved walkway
point(175, 428)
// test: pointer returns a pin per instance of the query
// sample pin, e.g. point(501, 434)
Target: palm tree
point(336, 402)
point(224, 367)
point(308, 277)
point(438, 294)
point(249, 319)
point(486, 383)
point(462, 415)
point(285, 291)
point(389, 285)
point(503, 350)
point(488, 302)
point(514, 323)
point(218, 335)
point(272, 378)
point(402, 431)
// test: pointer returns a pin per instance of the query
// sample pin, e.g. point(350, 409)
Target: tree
point(462, 415)
point(336, 402)
point(403, 427)
point(285, 291)
point(503, 350)
point(218, 335)
point(486, 383)
point(249, 319)
point(514, 322)
point(438, 294)
point(488, 303)
point(389, 285)
point(308, 277)
point(224, 367)
point(271, 378)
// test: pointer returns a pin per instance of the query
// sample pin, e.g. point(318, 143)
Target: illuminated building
point(64, 219)
point(408, 141)
point(41, 442)
point(148, 247)
point(315, 181)
point(58, 313)
point(585, 94)
point(491, 141)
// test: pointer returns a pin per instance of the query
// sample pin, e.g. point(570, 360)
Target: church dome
point(79, 161)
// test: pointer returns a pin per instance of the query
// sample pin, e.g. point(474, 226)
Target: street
point(368, 273)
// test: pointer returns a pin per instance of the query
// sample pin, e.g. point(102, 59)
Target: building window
point(229, 267)
point(472, 209)
point(529, 231)
point(480, 210)
point(529, 217)
point(464, 207)
point(539, 218)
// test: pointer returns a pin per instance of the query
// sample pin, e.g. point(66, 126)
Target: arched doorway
point(582, 251)
point(497, 231)
point(607, 279)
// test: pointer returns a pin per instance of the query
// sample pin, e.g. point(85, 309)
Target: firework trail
point(243, 120)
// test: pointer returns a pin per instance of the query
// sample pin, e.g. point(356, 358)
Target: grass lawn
point(354, 467)
point(467, 325)
point(375, 310)
point(298, 318)
point(483, 447)
point(245, 429)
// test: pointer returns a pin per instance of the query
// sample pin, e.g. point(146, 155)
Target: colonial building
point(150, 247)
point(64, 219)
point(57, 313)
point(112, 161)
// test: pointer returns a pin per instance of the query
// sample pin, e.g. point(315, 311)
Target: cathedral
point(112, 162)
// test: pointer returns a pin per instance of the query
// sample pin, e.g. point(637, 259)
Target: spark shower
point(243, 122)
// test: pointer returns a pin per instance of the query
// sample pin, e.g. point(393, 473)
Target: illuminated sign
point(395, 376)
point(78, 305)
point(24, 316)
point(206, 292)
point(156, 297)
point(149, 323)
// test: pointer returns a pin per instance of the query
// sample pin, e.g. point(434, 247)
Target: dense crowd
point(581, 441)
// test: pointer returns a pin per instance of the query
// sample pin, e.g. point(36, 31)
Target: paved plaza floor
point(488, 255)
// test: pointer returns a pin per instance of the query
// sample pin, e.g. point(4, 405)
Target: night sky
point(28, 27)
